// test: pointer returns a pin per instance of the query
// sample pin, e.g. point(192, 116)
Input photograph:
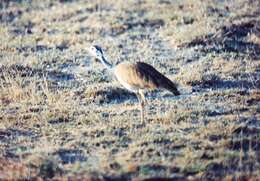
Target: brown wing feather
point(129, 74)
point(154, 78)
point(143, 76)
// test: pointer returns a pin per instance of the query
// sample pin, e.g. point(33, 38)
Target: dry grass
point(62, 116)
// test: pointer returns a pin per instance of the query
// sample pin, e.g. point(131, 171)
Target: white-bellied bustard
point(136, 77)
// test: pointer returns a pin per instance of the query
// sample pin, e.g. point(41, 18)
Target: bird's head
point(96, 51)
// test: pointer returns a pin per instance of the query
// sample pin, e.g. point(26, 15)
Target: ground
point(64, 117)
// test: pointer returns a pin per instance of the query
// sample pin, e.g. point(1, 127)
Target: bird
point(136, 77)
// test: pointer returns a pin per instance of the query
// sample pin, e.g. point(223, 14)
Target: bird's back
point(140, 75)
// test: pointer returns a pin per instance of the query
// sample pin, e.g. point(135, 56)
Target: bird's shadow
point(113, 95)
point(120, 95)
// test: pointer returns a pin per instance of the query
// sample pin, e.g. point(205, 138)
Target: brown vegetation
point(62, 116)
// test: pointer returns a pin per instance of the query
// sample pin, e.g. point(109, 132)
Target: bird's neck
point(106, 63)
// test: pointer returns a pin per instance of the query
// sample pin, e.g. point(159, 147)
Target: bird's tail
point(170, 86)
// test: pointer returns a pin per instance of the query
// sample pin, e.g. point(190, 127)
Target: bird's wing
point(143, 76)
point(153, 77)
point(128, 73)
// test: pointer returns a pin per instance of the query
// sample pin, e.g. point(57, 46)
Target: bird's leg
point(142, 112)
point(142, 101)
point(142, 96)
point(141, 106)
